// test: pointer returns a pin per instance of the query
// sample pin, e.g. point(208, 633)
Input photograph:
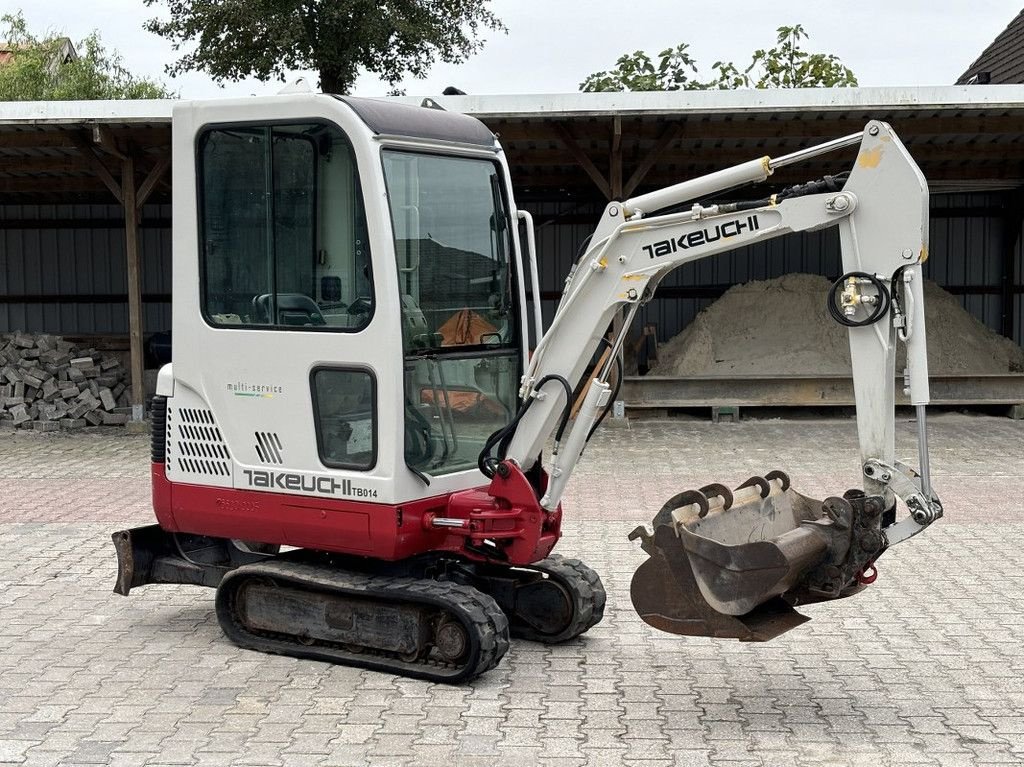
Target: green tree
point(338, 38)
point(787, 65)
point(38, 70)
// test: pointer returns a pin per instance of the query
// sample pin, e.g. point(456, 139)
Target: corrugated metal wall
point(78, 251)
point(75, 254)
point(966, 249)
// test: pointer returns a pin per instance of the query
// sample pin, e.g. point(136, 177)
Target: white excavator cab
point(349, 298)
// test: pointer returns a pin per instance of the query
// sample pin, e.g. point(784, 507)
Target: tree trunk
point(336, 82)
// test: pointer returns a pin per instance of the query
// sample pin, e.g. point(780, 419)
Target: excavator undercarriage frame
point(430, 617)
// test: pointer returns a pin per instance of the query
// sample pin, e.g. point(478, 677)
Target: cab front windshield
point(458, 302)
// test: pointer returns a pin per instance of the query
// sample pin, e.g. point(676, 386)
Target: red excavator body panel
point(503, 516)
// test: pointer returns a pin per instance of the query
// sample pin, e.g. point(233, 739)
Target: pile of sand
point(781, 327)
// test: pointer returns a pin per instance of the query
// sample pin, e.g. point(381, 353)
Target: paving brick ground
point(925, 667)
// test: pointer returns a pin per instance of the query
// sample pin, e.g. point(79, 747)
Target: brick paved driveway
point(926, 667)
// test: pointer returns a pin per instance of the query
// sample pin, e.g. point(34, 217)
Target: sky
point(552, 45)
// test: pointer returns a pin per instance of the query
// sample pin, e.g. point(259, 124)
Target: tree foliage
point(338, 38)
point(37, 70)
point(787, 65)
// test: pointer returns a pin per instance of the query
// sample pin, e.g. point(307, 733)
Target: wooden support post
point(134, 263)
point(615, 160)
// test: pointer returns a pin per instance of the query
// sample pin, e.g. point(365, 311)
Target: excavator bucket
point(732, 564)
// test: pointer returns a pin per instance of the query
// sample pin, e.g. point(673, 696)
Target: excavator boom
point(730, 563)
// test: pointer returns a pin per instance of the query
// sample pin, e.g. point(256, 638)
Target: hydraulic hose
point(879, 310)
point(503, 436)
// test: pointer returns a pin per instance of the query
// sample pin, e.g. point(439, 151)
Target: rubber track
point(478, 612)
point(588, 596)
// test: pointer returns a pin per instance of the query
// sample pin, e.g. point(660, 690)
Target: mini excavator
point(348, 445)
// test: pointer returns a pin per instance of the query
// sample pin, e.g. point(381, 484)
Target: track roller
point(435, 630)
point(579, 591)
point(550, 601)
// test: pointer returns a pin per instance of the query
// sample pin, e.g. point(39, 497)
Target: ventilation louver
point(269, 447)
point(199, 447)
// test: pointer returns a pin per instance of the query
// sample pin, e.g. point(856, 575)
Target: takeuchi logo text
point(247, 389)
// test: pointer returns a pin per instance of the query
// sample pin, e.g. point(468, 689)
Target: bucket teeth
point(738, 574)
point(717, 490)
point(762, 484)
point(678, 501)
point(782, 476)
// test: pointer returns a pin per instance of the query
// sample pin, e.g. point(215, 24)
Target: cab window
point(282, 229)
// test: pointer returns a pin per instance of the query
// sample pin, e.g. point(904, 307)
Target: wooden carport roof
point(964, 137)
point(598, 145)
point(53, 152)
point(588, 146)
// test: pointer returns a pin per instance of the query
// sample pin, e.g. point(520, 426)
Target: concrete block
point(23, 340)
point(72, 424)
point(79, 410)
point(110, 364)
point(106, 381)
point(50, 390)
point(91, 372)
point(31, 380)
point(107, 399)
point(74, 374)
point(118, 390)
point(11, 402)
point(69, 392)
point(114, 419)
point(20, 414)
point(28, 364)
point(94, 418)
point(31, 392)
point(46, 426)
point(94, 388)
point(82, 362)
point(19, 389)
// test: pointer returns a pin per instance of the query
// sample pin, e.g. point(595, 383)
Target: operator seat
point(292, 309)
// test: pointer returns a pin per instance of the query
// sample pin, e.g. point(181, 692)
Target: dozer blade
point(730, 564)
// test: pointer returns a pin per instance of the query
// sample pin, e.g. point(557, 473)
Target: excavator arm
point(739, 554)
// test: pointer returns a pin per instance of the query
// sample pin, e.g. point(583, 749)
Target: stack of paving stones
point(49, 384)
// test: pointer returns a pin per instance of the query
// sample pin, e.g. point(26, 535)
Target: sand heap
point(781, 327)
